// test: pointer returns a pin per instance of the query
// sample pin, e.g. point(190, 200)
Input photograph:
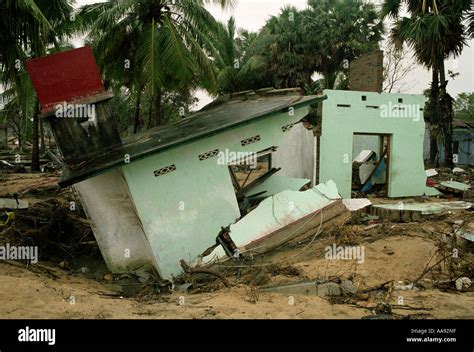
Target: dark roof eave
point(70, 178)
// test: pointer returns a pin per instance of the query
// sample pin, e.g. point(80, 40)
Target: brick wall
point(366, 73)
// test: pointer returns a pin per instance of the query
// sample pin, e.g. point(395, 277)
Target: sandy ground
point(398, 252)
point(29, 295)
point(22, 183)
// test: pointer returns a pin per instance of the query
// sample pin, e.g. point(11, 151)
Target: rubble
point(58, 232)
point(431, 172)
point(282, 217)
point(453, 187)
point(464, 230)
point(356, 204)
point(463, 283)
point(458, 170)
point(6, 203)
point(316, 288)
point(168, 204)
point(407, 212)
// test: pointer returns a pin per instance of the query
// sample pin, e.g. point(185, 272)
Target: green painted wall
point(407, 175)
point(183, 211)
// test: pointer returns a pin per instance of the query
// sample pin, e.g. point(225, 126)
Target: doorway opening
point(370, 165)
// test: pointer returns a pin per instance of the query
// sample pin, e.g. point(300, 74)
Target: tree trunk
point(19, 138)
point(433, 148)
point(155, 110)
point(35, 140)
point(137, 111)
point(434, 118)
point(330, 78)
point(442, 74)
point(448, 146)
point(43, 146)
point(446, 111)
point(150, 115)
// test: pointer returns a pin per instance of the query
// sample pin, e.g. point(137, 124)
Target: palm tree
point(337, 32)
point(435, 30)
point(156, 46)
point(236, 67)
point(290, 64)
point(229, 63)
point(27, 29)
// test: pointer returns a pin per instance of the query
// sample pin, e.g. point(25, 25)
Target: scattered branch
point(189, 270)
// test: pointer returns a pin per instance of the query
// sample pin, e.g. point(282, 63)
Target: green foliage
point(28, 28)
point(434, 29)
point(337, 32)
point(464, 107)
point(323, 38)
point(156, 46)
point(236, 68)
point(175, 106)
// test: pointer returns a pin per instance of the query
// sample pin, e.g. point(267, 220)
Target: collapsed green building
point(168, 194)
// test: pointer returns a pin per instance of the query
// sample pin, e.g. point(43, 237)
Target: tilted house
point(163, 195)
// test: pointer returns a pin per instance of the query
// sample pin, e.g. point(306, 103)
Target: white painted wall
point(295, 154)
point(114, 222)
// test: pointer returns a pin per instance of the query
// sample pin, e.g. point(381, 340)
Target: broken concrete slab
point(328, 189)
point(282, 217)
point(328, 289)
point(7, 203)
point(432, 192)
point(458, 170)
point(356, 203)
point(468, 236)
point(347, 287)
point(408, 212)
point(401, 286)
point(465, 231)
point(426, 208)
point(316, 288)
point(463, 283)
point(299, 288)
point(453, 187)
point(431, 172)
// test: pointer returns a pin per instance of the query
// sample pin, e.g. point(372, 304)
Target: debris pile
point(58, 232)
point(455, 182)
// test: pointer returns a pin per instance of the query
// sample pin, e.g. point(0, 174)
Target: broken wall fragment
point(282, 217)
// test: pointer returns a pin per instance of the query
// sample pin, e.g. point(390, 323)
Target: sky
point(252, 14)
